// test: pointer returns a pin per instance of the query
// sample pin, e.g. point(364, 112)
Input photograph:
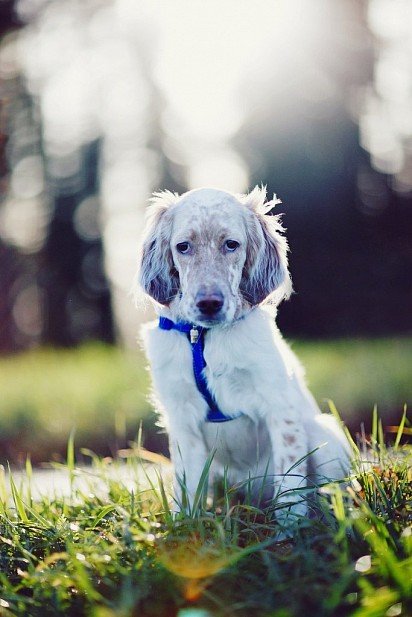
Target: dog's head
point(211, 256)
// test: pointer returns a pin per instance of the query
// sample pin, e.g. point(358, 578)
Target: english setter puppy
point(216, 267)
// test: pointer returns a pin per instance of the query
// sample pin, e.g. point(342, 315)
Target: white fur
point(250, 368)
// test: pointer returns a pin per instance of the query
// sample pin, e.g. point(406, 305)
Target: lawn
point(119, 550)
point(102, 391)
point(114, 547)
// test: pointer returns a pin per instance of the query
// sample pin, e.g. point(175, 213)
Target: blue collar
point(196, 336)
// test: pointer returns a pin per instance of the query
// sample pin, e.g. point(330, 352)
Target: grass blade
point(103, 512)
point(18, 502)
point(335, 413)
point(375, 425)
point(400, 429)
point(70, 460)
point(3, 491)
point(201, 491)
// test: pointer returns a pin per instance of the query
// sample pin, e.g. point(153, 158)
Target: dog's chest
point(243, 372)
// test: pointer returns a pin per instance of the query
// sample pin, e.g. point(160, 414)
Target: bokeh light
point(386, 119)
point(105, 101)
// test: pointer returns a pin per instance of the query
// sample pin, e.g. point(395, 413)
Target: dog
point(215, 265)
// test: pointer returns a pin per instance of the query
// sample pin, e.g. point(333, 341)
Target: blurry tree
point(85, 149)
point(11, 263)
point(348, 230)
point(52, 283)
point(100, 107)
point(72, 272)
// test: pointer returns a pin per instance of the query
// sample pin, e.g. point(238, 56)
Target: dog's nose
point(209, 303)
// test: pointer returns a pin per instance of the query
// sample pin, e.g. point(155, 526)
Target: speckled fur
point(250, 368)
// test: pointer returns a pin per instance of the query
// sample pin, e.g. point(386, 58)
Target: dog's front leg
point(189, 456)
point(289, 447)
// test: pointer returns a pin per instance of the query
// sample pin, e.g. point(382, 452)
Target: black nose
point(209, 303)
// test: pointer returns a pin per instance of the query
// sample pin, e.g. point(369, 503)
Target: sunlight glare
point(224, 169)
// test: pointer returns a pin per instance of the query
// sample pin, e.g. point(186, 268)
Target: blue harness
point(196, 337)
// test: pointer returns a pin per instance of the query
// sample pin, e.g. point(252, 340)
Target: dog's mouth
point(206, 312)
point(210, 321)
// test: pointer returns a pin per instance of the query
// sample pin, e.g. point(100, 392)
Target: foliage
point(122, 551)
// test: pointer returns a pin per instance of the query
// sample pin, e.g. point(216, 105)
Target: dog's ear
point(265, 274)
point(158, 275)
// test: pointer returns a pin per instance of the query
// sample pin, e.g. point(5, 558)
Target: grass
point(45, 393)
point(120, 551)
point(102, 391)
point(359, 373)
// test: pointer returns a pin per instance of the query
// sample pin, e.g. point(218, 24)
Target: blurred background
point(105, 101)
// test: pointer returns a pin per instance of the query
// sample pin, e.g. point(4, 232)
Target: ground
point(111, 546)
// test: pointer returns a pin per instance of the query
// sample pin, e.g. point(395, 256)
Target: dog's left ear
point(265, 274)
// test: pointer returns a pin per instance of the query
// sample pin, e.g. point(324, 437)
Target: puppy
point(216, 267)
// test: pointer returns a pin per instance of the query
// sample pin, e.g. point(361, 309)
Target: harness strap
point(196, 336)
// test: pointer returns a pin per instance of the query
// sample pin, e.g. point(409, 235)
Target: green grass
point(359, 373)
point(121, 552)
point(102, 391)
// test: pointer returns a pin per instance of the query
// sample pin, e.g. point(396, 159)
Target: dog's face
point(211, 256)
point(208, 244)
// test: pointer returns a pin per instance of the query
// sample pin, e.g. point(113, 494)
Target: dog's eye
point(231, 245)
point(183, 247)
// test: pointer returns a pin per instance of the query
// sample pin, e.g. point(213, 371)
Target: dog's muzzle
point(209, 303)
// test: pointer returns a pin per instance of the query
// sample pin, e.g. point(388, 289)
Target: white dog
point(225, 378)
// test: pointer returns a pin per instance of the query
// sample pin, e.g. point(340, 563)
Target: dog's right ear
point(158, 275)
